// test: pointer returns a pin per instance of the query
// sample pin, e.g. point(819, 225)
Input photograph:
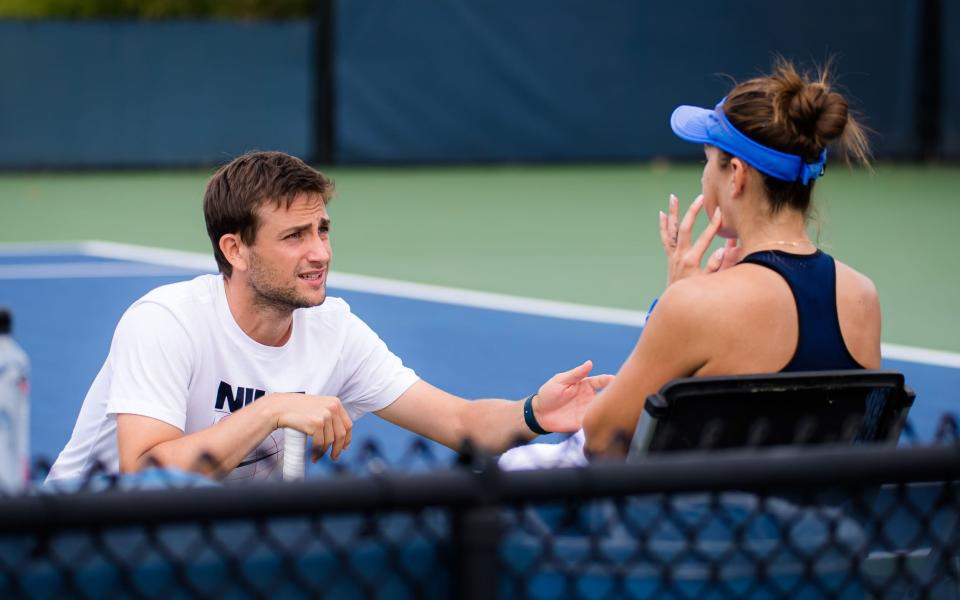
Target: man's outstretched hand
point(562, 401)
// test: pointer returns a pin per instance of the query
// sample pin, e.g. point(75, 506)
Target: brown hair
point(798, 114)
point(238, 189)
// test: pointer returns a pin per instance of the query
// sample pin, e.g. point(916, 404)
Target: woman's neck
point(785, 231)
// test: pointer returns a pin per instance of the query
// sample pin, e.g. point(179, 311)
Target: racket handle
point(294, 454)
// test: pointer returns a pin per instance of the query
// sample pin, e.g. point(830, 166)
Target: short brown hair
point(795, 113)
point(239, 188)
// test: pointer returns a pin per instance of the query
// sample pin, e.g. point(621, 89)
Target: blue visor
point(705, 126)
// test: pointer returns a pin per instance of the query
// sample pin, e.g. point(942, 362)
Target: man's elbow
point(134, 460)
point(131, 462)
point(460, 431)
point(144, 442)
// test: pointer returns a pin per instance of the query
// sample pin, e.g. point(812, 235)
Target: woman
point(772, 302)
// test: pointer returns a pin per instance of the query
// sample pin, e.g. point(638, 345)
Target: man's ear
point(738, 176)
point(234, 250)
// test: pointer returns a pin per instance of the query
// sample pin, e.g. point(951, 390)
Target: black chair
point(820, 407)
point(816, 407)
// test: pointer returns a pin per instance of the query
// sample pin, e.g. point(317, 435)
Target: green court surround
point(585, 234)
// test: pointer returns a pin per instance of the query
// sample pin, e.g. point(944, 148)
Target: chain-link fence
point(789, 522)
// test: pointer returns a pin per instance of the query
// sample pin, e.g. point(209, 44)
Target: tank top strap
point(813, 281)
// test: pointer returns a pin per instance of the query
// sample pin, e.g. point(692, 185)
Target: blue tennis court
point(67, 298)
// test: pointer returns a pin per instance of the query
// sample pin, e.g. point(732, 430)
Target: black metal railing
point(788, 522)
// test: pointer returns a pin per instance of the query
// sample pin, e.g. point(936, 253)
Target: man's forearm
point(495, 425)
point(215, 451)
point(558, 405)
point(219, 449)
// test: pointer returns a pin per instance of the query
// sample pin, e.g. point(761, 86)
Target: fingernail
point(716, 212)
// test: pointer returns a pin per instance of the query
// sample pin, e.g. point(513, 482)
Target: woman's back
point(761, 328)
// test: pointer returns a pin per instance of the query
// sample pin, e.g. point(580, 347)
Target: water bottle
point(14, 411)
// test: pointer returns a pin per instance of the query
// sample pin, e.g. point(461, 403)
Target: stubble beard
point(273, 297)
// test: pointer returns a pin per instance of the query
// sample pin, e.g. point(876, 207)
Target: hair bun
point(817, 113)
point(796, 113)
point(812, 114)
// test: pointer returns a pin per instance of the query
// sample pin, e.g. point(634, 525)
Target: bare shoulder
point(685, 294)
point(698, 300)
point(726, 320)
point(727, 291)
point(858, 310)
point(857, 297)
point(691, 298)
point(856, 282)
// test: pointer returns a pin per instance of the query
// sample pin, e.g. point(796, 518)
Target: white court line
point(40, 248)
point(419, 291)
point(925, 356)
point(501, 302)
point(157, 256)
point(76, 270)
point(388, 287)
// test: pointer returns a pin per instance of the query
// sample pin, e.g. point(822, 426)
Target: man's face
point(290, 258)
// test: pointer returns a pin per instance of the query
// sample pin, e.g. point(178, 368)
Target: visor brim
point(690, 123)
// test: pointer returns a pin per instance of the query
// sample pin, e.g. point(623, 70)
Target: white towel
point(568, 453)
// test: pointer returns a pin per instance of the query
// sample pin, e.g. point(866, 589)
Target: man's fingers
point(328, 436)
point(575, 374)
point(686, 226)
point(345, 416)
point(348, 425)
point(340, 436)
point(319, 447)
point(598, 382)
point(322, 439)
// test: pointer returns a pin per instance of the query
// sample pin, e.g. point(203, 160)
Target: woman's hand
point(683, 256)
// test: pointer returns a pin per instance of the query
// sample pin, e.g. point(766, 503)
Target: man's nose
point(319, 250)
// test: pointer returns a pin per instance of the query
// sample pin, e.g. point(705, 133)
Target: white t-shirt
point(178, 356)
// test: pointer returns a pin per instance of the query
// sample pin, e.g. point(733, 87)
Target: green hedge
point(155, 9)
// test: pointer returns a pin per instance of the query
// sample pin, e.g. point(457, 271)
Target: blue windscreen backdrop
point(422, 81)
point(950, 70)
point(540, 80)
point(115, 93)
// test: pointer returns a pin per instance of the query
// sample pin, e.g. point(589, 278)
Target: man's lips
point(313, 276)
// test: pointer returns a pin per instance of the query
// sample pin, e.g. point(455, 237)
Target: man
point(217, 366)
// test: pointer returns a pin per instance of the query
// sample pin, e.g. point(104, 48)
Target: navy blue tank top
point(813, 280)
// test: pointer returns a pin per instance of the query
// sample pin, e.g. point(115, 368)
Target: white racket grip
point(294, 454)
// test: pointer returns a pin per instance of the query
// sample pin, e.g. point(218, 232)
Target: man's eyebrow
point(295, 229)
point(303, 227)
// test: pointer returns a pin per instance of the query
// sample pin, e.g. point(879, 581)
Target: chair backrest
point(816, 407)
